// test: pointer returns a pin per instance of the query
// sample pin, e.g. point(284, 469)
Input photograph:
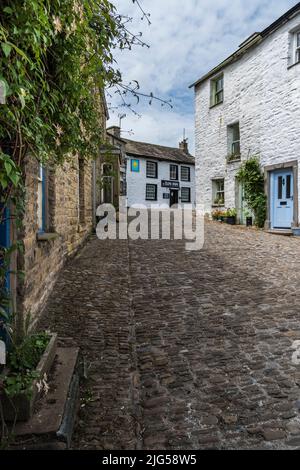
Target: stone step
point(54, 419)
point(284, 232)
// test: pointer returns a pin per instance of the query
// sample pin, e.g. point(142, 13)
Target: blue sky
point(186, 38)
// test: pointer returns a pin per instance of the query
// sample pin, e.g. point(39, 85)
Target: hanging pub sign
point(170, 184)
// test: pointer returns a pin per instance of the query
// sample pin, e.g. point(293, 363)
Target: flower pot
point(231, 220)
point(249, 222)
point(20, 407)
point(296, 231)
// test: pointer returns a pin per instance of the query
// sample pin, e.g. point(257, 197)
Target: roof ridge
point(158, 145)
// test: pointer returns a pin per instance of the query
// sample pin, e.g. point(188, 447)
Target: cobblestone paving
point(186, 350)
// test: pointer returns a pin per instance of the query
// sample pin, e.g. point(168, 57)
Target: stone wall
point(66, 230)
point(262, 92)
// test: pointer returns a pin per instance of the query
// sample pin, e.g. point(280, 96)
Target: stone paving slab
point(185, 350)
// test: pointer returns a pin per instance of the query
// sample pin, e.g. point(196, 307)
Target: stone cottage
point(158, 175)
point(59, 215)
point(250, 105)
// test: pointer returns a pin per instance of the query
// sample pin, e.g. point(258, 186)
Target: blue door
point(282, 199)
point(5, 243)
point(5, 237)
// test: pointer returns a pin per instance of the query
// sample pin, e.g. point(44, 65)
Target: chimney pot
point(115, 130)
point(184, 146)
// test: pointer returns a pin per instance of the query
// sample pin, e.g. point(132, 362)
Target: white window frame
point(172, 167)
point(155, 194)
point(297, 47)
point(186, 201)
point(218, 193)
point(188, 179)
point(155, 166)
point(234, 144)
point(214, 92)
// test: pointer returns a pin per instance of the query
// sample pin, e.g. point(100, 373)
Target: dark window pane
point(173, 172)
point(280, 187)
point(288, 186)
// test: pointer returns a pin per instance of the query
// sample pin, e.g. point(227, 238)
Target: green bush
point(22, 363)
point(251, 176)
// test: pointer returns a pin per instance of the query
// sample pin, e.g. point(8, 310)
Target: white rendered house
point(157, 175)
point(250, 105)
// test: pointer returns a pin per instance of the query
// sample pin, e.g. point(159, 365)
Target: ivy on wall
point(55, 60)
point(252, 177)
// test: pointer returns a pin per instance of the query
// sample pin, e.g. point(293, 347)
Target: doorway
point(173, 197)
point(282, 198)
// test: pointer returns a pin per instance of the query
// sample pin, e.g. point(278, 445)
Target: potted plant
point(219, 201)
point(218, 215)
point(249, 218)
point(296, 231)
point(24, 377)
point(231, 216)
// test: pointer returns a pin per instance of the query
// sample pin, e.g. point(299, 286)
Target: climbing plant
point(251, 175)
point(56, 58)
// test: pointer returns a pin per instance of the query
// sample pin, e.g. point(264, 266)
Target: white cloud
point(187, 38)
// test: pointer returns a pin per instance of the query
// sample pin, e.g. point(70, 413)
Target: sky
point(187, 38)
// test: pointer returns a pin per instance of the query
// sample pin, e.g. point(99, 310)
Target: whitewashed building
point(250, 105)
point(159, 175)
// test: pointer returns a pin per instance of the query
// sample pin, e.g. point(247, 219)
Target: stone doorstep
point(284, 232)
point(57, 411)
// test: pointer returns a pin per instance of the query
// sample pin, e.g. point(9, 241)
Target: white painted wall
point(136, 182)
point(263, 94)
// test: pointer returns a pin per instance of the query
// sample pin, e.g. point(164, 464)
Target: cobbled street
point(185, 350)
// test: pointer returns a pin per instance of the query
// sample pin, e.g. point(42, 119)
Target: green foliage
point(55, 59)
point(218, 214)
point(22, 363)
point(231, 213)
point(251, 176)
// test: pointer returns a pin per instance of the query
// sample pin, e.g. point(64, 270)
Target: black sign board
point(170, 184)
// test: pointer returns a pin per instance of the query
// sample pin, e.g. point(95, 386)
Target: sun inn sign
point(170, 184)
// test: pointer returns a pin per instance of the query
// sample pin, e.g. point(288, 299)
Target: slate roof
point(157, 152)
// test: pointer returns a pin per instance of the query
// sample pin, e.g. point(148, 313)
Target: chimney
point(115, 130)
point(184, 146)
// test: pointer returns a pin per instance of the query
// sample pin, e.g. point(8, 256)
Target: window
point(297, 47)
point(41, 203)
point(185, 194)
point(217, 90)
point(151, 192)
point(218, 192)
point(151, 170)
point(81, 195)
point(234, 151)
point(185, 173)
point(173, 172)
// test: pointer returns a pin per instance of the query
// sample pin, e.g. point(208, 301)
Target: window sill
point(293, 65)
point(45, 237)
point(238, 159)
point(218, 205)
point(215, 105)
